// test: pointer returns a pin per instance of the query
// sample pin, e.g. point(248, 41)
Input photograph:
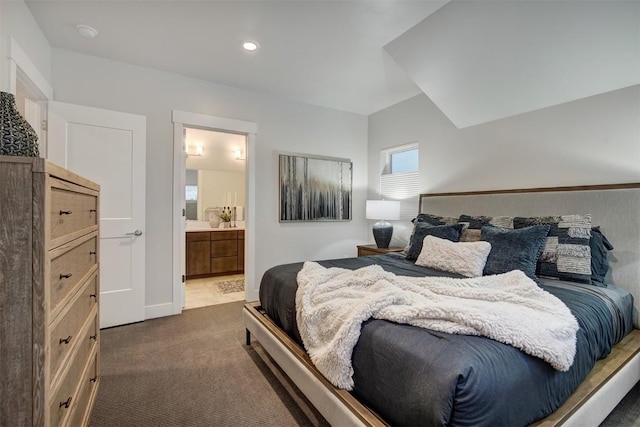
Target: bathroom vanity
point(215, 252)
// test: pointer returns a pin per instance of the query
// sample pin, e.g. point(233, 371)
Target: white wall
point(594, 140)
point(217, 187)
point(17, 22)
point(282, 126)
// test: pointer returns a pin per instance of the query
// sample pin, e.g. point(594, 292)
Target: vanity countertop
point(204, 226)
point(192, 229)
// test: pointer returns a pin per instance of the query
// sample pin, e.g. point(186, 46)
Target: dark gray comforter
point(417, 377)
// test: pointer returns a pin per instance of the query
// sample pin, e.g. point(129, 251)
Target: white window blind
point(403, 187)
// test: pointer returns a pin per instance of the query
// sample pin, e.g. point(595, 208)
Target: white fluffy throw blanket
point(332, 303)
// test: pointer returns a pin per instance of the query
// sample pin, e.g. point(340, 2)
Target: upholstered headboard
point(615, 208)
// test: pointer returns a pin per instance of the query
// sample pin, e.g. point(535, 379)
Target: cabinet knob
point(94, 379)
point(66, 340)
point(65, 276)
point(66, 403)
point(65, 212)
point(93, 337)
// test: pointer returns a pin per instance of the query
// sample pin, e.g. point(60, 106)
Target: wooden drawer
point(65, 398)
point(71, 211)
point(224, 264)
point(70, 263)
point(198, 258)
point(66, 331)
point(224, 235)
point(198, 236)
point(88, 384)
point(224, 248)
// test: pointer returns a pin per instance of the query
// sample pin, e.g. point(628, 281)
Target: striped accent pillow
point(566, 254)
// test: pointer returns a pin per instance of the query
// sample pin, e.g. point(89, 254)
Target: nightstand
point(366, 250)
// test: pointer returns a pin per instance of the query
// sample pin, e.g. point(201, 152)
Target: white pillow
point(465, 258)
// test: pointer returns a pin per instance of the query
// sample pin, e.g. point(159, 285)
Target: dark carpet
point(194, 370)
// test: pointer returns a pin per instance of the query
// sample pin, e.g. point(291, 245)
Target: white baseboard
point(158, 310)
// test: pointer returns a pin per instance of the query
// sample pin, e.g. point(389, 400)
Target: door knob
point(136, 233)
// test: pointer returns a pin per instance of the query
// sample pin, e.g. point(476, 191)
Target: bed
point(396, 383)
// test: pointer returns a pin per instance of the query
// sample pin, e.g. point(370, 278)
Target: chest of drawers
point(49, 294)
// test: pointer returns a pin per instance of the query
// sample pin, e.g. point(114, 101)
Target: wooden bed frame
point(608, 382)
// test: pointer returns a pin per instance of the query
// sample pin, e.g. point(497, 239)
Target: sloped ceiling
point(480, 61)
point(477, 60)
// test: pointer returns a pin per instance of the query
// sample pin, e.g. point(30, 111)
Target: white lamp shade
point(383, 209)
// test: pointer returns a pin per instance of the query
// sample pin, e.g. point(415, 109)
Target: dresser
point(49, 294)
point(214, 253)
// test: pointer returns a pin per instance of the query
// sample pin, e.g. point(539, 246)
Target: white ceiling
point(482, 61)
point(477, 60)
point(327, 53)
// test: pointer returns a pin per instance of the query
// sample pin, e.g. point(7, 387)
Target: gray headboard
point(615, 208)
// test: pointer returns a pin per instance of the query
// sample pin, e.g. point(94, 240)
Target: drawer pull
point(66, 403)
point(92, 252)
point(65, 212)
point(94, 379)
point(65, 340)
point(93, 337)
point(65, 276)
point(93, 296)
point(93, 210)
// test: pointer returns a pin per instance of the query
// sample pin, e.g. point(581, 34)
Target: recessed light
point(86, 31)
point(250, 45)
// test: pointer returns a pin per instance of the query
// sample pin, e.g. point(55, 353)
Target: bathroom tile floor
point(204, 292)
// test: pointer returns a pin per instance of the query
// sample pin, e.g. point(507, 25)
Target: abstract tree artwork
point(315, 188)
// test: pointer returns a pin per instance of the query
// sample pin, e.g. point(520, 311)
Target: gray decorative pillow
point(566, 254)
point(435, 219)
point(473, 224)
point(514, 249)
point(422, 229)
point(600, 245)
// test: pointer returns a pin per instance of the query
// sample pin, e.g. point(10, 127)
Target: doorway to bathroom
point(215, 194)
point(244, 237)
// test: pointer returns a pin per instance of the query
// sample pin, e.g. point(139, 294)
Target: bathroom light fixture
point(195, 150)
point(86, 31)
point(250, 45)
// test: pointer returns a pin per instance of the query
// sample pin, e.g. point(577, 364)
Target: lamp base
point(382, 232)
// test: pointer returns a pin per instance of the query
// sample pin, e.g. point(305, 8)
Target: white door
point(108, 147)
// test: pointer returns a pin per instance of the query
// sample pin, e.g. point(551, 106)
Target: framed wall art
point(315, 188)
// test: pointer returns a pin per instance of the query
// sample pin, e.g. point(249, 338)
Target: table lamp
point(383, 210)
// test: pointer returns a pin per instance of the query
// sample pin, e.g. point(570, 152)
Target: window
point(399, 178)
point(404, 161)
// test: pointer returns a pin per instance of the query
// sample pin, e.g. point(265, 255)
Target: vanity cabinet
point(214, 253)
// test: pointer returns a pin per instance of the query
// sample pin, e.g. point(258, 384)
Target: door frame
point(22, 71)
point(182, 119)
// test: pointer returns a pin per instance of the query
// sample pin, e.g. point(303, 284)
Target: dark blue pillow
point(423, 229)
point(599, 245)
point(514, 249)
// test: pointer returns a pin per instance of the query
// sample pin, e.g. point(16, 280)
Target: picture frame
point(315, 188)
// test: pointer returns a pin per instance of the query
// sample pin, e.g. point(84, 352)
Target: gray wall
point(594, 140)
point(282, 126)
